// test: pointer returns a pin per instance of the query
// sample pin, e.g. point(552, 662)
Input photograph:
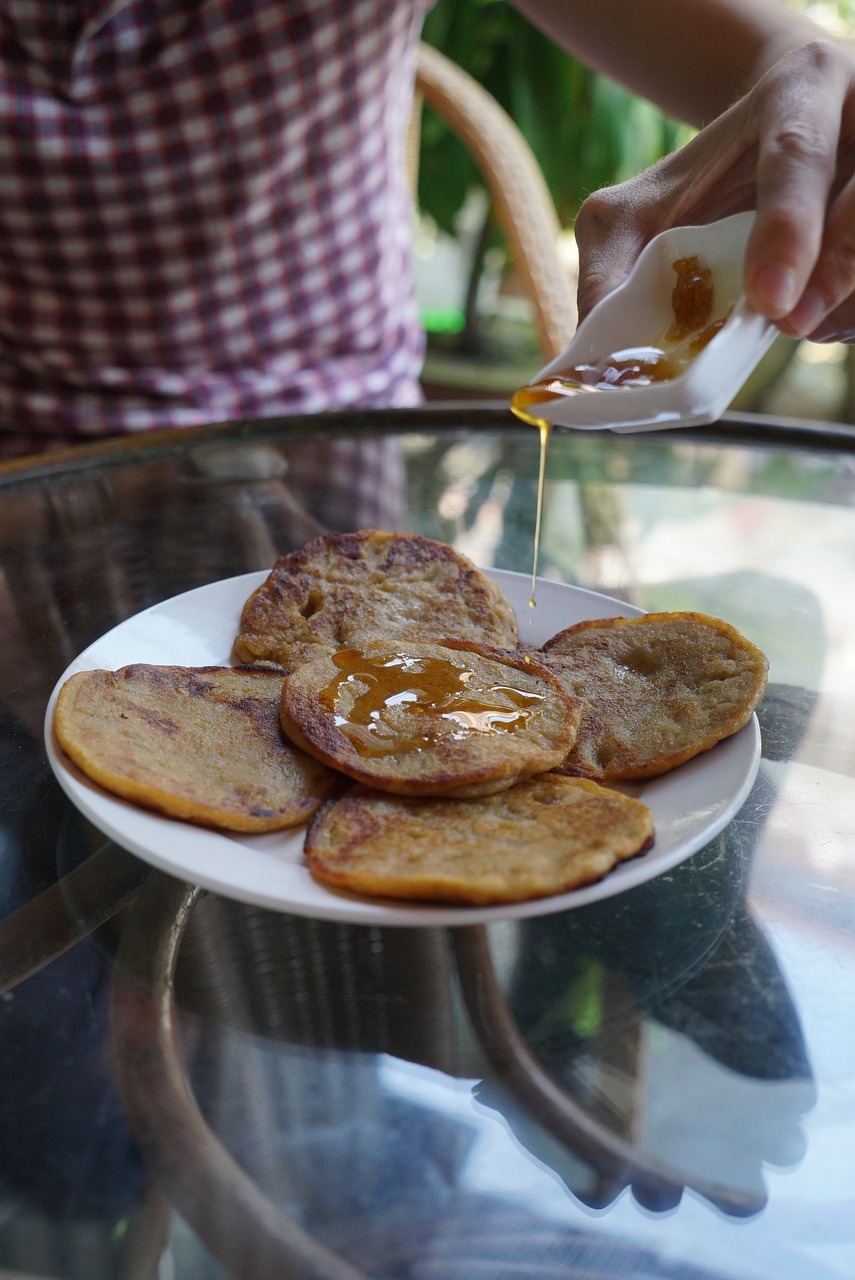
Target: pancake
point(202, 744)
point(428, 719)
point(338, 591)
point(546, 835)
point(657, 690)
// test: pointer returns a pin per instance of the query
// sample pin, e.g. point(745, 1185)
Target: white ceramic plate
point(639, 311)
point(690, 805)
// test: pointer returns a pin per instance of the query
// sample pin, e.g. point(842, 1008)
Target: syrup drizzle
point(367, 687)
point(519, 400)
point(688, 334)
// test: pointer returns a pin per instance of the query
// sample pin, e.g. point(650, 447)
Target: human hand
point(787, 148)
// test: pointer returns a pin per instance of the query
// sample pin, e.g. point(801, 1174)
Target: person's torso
point(204, 210)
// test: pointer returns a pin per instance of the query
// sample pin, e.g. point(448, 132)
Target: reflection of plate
point(689, 805)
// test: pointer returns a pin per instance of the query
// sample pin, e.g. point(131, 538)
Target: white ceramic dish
point(639, 312)
point(690, 805)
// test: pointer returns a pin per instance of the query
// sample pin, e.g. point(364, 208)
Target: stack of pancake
point(383, 697)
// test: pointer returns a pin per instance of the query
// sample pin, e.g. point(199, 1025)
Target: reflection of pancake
point(658, 690)
point(544, 836)
point(339, 591)
point(201, 744)
point(430, 719)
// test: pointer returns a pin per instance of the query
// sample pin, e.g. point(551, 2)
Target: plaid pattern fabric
point(350, 484)
point(204, 212)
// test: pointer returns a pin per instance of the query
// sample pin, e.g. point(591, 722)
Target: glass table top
point(660, 1084)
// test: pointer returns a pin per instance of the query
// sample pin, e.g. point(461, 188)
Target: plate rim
point(325, 903)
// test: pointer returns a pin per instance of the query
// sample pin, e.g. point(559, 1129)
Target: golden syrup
point(368, 686)
point(635, 367)
point(545, 429)
point(691, 302)
point(706, 335)
point(519, 402)
point(691, 298)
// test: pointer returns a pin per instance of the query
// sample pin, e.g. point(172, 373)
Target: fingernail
point(775, 290)
point(807, 314)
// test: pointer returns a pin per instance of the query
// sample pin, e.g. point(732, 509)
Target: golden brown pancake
point(428, 719)
point(203, 744)
point(657, 690)
point(339, 591)
point(546, 835)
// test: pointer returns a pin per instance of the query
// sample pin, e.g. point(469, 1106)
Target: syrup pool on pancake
point(424, 684)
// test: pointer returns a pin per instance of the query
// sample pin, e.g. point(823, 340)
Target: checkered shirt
point(204, 212)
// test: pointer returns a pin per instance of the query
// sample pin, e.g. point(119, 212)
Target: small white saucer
point(639, 311)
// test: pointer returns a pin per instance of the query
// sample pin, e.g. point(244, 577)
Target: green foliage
point(585, 130)
point(838, 15)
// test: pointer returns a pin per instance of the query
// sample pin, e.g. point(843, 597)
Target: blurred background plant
point(586, 132)
point(584, 129)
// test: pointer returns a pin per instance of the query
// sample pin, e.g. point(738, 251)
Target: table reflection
point(656, 1084)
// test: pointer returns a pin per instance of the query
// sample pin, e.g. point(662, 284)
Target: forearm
point(693, 58)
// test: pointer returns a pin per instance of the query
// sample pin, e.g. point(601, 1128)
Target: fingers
point(609, 238)
point(788, 149)
point(819, 312)
point(838, 325)
point(710, 177)
point(796, 115)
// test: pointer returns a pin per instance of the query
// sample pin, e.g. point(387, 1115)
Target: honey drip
point(518, 406)
point(688, 334)
point(691, 299)
point(372, 689)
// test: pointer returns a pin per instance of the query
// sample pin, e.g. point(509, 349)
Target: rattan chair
point(521, 198)
point(252, 1236)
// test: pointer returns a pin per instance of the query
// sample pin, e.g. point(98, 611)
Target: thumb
point(609, 241)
